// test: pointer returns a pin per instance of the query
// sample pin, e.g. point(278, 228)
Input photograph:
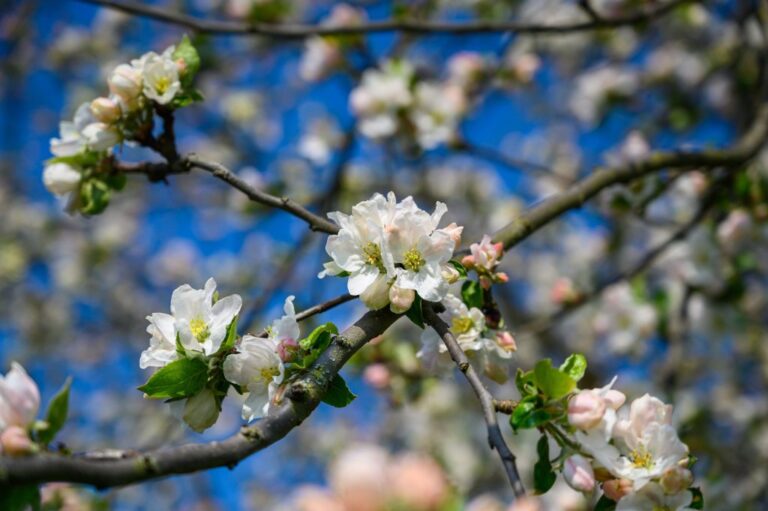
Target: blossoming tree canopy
point(419, 256)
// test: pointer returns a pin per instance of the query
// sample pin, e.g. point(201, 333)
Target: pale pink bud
point(126, 82)
point(485, 282)
point(614, 399)
point(468, 261)
point(578, 473)
point(19, 398)
point(586, 410)
point(377, 376)
point(506, 341)
point(455, 233)
point(287, 350)
point(615, 489)
point(400, 300)
point(418, 482)
point(562, 291)
point(105, 110)
point(181, 65)
point(344, 15)
point(502, 277)
point(15, 441)
point(676, 479)
point(499, 248)
point(376, 296)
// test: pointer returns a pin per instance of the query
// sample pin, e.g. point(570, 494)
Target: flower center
point(413, 260)
point(662, 508)
point(162, 84)
point(372, 253)
point(199, 329)
point(268, 373)
point(462, 325)
point(641, 458)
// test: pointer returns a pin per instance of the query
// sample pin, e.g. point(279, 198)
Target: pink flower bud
point(526, 504)
point(578, 473)
point(418, 482)
point(485, 282)
point(506, 341)
point(562, 291)
point(126, 82)
point(614, 399)
point(615, 489)
point(468, 261)
point(105, 110)
point(676, 479)
point(15, 441)
point(499, 248)
point(19, 398)
point(400, 300)
point(455, 232)
point(377, 376)
point(586, 410)
point(181, 65)
point(287, 350)
point(502, 277)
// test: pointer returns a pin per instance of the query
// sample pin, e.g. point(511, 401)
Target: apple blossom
point(380, 97)
point(578, 473)
point(257, 366)
point(61, 178)
point(199, 324)
point(417, 482)
point(126, 82)
point(322, 54)
point(201, 410)
point(436, 112)
point(652, 497)
point(586, 409)
point(19, 398)
point(676, 480)
point(106, 110)
point(466, 68)
point(400, 300)
point(161, 76)
point(615, 489)
point(71, 140)
point(15, 441)
point(100, 136)
point(623, 318)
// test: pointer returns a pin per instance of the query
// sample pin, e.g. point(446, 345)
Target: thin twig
point(300, 31)
point(495, 438)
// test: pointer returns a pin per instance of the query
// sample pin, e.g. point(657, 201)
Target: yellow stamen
point(199, 329)
point(372, 253)
point(462, 325)
point(641, 458)
point(413, 260)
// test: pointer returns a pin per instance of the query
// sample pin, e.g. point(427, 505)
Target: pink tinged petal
point(21, 397)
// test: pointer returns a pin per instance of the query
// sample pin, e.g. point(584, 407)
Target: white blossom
point(257, 367)
point(60, 178)
point(436, 112)
point(623, 319)
point(652, 497)
point(200, 324)
point(71, 140)
point(160, 75)
point(381, 97)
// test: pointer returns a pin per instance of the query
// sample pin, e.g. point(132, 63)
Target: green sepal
point(416, 312)
point(56, 416)
point(472, 294)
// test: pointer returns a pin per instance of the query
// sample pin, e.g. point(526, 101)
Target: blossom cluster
point(81, 168)
point(633, 452)
point(391, 100)
point(393, 251)
point(201, 329)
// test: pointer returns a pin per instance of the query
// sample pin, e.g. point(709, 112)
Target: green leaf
point(116, 181)
point(231, 338)
point(187, 53)
point(187, 97)
point(574, 366)
point(525, 382)
point(552, 382)
point(698, 498)
point(528, 414)
point(20, 498)
point(605, 504)
point(472, 294)
point(338, 394)
point(319, 338)
point(543, 475)
point(459, 268)
point(181, 378)
point(94, 197)
point(416, 312)
point(56, 416)
point(83, 159)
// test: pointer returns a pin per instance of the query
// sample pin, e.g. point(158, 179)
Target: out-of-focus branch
point(126, 467)
point(300, 31)
point(495, 438)
point(540, 325)
point(158, 171)
point(540, 215)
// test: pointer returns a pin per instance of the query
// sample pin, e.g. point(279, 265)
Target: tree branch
point(540, 215)
point(300, 31)
point(495, 438)
point(300, 399)
point(158, 171)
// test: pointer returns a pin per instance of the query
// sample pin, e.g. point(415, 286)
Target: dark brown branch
point(495, 438)
point(299, 31)
point(157, 171)
point(540, 215)
point(322, 307)
point(301, 398)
